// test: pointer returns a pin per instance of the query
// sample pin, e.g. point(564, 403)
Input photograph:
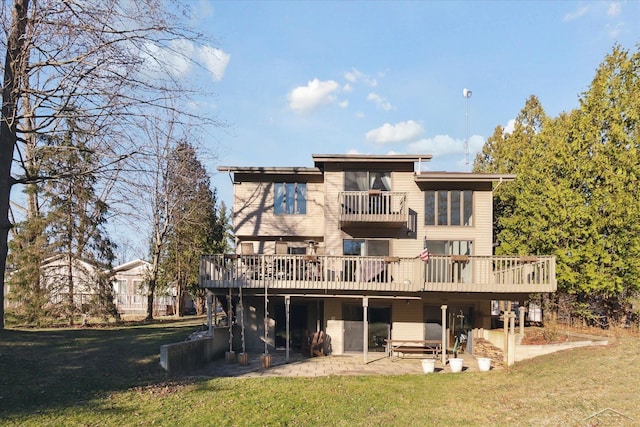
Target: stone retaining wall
point(188, 355)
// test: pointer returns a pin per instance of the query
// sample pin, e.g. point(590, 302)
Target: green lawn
point(111, 376)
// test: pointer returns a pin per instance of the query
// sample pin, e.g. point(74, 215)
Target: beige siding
point(254, 215)
point(333, 184)
point(407, 320)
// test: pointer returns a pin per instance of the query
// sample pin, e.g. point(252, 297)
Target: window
point(121, 286)
point(440, 269)
point(454, 207)
point(290, 198)
point(450, 247)
point(363, 181)
point(361, 247)
point(364, 270)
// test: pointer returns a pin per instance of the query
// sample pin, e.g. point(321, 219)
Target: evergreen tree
point(27, 251)
point(576, 195)
point(77, 218)
point(194, 231)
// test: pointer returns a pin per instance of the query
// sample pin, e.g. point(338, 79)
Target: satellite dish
point(466, 93)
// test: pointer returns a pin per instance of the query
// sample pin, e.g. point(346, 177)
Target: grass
point(111, 377)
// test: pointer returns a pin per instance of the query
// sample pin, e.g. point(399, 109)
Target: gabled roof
point(131, 265)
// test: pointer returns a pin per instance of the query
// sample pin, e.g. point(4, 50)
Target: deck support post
point(443, 353)
point(365, 334)
point(209, 312)
point(287, 307)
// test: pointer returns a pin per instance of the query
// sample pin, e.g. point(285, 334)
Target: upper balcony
point(383, 208)
point(454, 273)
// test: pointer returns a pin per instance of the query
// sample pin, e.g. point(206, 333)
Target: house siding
point(254, 215)
point(405, 283)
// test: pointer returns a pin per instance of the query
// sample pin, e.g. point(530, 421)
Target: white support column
point(287, 306)
point(505, 325)
point(365, 335)
point(511, 356)
point(521, 320)
point(443, 355)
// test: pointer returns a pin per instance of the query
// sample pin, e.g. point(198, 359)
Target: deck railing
point(454, 273)
point(373, 206)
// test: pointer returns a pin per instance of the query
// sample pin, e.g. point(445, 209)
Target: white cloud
point(379, 101)
point(315, 93)
point(572, 16)
point(614, 9)
point(391, 134)
point(444, 145)
point(508, 129)
point(615, 30)
point(439, 145)
point(178, 58)
point(347, 88)
point(355, 76)
point(344, 104)
point(215, 60)
point(360, 115)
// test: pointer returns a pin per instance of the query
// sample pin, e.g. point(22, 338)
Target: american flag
point(424, 255)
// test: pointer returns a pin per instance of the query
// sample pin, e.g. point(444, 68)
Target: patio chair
point(249, 259)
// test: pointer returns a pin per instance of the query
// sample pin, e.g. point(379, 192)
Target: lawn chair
point(249, 259)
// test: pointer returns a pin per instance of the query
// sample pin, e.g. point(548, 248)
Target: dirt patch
point(163, 388)
point(536, 336)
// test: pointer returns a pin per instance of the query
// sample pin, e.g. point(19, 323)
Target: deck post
point(443, 353)
point(365, 334)
point(209, 311)
point(287, 305)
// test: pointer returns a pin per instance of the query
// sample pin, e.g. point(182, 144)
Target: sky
point(292, 79)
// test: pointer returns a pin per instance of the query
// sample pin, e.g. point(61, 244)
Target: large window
point(365, 270)
point(363, 181)
point(290, 198)
point(448, 207)
point(440, 269)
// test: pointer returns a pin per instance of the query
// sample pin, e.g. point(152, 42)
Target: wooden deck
point(441, 273)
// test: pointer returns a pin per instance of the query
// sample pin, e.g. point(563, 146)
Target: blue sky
point(300, 78)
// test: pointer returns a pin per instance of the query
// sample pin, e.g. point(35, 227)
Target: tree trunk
point(150, 298)
point(70, 305)
point(13, 73)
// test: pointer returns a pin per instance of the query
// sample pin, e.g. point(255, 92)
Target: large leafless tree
point(110, 64)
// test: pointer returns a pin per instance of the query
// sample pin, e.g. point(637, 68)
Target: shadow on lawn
point(46, 369)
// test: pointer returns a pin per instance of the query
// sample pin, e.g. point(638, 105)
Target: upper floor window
point(363, 181)
point(448, 207)
point(290, 198)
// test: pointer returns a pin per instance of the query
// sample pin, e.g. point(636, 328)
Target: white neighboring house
point(130, 290)
point(55, 273)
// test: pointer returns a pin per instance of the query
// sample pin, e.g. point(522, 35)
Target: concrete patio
point(377, 364)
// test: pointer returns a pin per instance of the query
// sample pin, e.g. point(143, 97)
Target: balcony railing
point(373, 206)
point(393, 274)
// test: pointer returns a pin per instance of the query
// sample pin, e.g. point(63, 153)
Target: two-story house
point(366, 248)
